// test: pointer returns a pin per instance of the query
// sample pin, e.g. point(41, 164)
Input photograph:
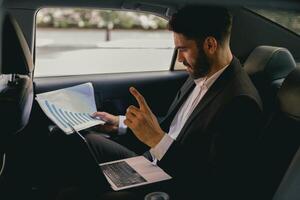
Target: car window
point(288, 19)
point(85, 41)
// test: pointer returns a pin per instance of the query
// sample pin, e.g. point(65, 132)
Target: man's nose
point(180, 57)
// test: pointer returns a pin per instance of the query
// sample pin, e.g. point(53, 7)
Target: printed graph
point(66, 118)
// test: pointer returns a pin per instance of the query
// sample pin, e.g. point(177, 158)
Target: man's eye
point(181, 49)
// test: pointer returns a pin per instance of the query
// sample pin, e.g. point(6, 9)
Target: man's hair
point(198, 22)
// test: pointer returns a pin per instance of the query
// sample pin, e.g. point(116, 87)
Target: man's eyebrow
point(180, 47)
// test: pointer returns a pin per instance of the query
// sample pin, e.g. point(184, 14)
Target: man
point(212, 125)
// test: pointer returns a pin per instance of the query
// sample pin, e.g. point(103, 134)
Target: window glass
point(84, 41)
point(286, 18)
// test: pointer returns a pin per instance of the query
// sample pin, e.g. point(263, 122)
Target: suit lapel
point(215, 89)
point(182, 95)
point(180, 98)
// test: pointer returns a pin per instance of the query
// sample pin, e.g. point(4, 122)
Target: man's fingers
point(109, 118)
point(128, 123)
point(95, 114)
point(131, 116)
point(101, 115)
point(140, 99)
point(132, 109)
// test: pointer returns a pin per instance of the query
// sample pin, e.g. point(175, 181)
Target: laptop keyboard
point(121, 174)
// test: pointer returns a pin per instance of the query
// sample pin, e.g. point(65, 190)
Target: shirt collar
point(207, 82)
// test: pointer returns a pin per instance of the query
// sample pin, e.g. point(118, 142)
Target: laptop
point(125, 173)
point(132, 172)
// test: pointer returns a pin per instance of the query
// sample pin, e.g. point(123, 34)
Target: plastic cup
point(157, 196)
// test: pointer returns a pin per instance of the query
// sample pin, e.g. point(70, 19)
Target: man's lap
point(107, 150)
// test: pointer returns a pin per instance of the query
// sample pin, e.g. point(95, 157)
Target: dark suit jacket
point(210, 157)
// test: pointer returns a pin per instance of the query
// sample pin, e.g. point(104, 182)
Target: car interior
point(269, 52)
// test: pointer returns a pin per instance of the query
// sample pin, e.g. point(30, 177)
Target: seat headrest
point(15, 104)
point(289, 95)
point(273, 62)
point(14, 43)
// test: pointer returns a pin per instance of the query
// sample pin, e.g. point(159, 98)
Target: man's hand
point(112, 122)
point(142, 121)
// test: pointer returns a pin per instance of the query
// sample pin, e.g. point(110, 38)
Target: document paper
point(71, 106)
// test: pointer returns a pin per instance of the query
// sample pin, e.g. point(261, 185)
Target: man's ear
point(210, 45)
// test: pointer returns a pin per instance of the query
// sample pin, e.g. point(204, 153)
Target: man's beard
point(201, 67)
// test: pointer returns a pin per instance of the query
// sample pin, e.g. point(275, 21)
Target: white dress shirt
point(122, 127)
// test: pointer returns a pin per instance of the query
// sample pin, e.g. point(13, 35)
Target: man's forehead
point(181, 40)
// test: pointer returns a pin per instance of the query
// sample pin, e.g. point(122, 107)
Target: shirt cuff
point(122, 129)
point(162, 147)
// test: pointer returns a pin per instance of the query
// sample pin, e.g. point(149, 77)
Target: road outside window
point(82, 41)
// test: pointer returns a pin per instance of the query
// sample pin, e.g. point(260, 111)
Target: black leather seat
point(16, 89)
point(289, 101)
point(267, 67)
point(281, 138)
point(290, 185)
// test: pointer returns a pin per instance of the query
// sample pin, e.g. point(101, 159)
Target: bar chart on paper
point(70, 107)
point(66, 118)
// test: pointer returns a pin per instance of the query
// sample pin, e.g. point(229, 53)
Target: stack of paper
point(70, 107)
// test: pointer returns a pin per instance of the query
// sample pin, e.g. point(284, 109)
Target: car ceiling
point(163, 7)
